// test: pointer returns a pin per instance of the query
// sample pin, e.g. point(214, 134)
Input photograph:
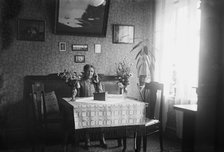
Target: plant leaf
point(148, 61)
point(139, 43)
point(138, 54)
point(151, 55)
point(137, 64)
point(139, 70)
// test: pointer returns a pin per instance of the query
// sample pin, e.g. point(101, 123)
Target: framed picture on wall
point(81, 17)
point(97, 48)
point(123, 33)
point(79, 47)
point(79, 58)
point(62, 46)
point(30, 30)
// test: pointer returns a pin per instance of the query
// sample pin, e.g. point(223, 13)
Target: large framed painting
point(30, 30)
point(81, 17)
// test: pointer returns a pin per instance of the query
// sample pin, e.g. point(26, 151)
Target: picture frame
point(97, 48)
point(30, 30)
point(81, 18)
point(62, 46)
point(79, 58)
point(79, 47)
point(123, 34)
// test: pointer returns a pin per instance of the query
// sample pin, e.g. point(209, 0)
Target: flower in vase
point(123, 70)
point(71, 78)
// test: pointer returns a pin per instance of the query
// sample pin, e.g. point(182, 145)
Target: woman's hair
point(95, 82)
point(87, 67)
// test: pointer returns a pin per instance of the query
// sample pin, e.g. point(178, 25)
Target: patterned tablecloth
point(115, 111)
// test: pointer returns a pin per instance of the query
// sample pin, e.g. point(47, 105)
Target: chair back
point(109, 84)
point(153, 95)
point(38, 102)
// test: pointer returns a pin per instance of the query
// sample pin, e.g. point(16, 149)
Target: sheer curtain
point(177, 42)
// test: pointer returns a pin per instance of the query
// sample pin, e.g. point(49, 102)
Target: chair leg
point(66, 142)
point(103, 141)
point(124, 144)
point(39, 145)
point(119, 144)
point(43, 148)
point(144, 143)
point(74, 142)
point(135, 140)
point(33, 146)
point(161, 138)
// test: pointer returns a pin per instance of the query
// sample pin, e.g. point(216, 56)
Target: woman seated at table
point(88, 85)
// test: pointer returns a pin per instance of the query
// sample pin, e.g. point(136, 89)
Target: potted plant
point(145, 61)
point(72, 79)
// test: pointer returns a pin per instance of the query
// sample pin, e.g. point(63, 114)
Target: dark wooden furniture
point(109, 83)
point(48, 126)
point(3, 127)
point(154, 117)
point(51, 83)
point(189, 116)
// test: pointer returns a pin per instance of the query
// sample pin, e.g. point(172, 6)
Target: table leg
point(144, 143)
point(138, 143)
point(124, 144)
point(188, 132)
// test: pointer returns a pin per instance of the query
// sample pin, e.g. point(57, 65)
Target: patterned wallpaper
point(42, 58)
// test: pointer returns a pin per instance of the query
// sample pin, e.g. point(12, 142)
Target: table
point(189, 116)
point(116, 113)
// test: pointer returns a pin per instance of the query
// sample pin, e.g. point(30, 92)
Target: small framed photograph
point(30, 30)
point(123, 34)
point(79, 58)
point(79, 47)
point(62, 46)
point(97, 48)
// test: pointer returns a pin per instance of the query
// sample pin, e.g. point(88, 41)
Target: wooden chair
point(3, 127)
point(48, 122)
point(153, 95)
point(109, 84)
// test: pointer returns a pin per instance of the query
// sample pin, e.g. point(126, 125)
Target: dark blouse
point(87, 88)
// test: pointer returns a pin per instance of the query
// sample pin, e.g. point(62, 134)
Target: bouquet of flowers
point(123, 71)
point(71, 78)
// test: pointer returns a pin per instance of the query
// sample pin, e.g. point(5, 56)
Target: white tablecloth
point(115, 111)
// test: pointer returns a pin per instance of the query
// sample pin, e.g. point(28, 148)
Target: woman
point(88, 85)
point(90, 82)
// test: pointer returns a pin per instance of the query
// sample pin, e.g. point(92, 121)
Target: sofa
point(53, 83)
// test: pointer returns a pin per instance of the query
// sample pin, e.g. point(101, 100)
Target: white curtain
point(177, 48)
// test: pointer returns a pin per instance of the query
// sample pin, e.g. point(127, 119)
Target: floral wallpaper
point(43, 57)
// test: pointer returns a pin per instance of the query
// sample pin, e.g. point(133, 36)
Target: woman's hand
point(96, 78)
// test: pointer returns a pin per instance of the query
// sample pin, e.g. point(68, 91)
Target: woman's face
point(89, 73)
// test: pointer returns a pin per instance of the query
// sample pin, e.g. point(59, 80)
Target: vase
point(125, 92)
point(74, 93)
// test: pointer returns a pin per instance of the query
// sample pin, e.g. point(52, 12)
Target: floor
point(171, 144)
